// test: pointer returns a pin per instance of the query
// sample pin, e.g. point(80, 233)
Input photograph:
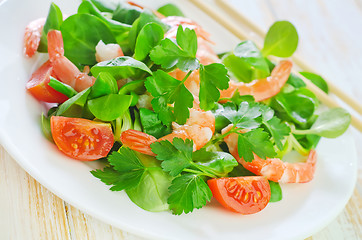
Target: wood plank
point(31, 211)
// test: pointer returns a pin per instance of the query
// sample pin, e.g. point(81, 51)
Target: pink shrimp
point(32, 36)
point(199, 127)
point(262, 89)
point(274, 169)
point(105, 52)
point(63, 68)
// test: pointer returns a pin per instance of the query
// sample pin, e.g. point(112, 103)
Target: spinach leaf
point(121, 67)
point(45, 127)
point(238, 69)
point(330, 124)
point(62, 87)
point(136, 86)
point(296, 81)
point(73, 107)
point(80, 39)
point(281, 40)
point(146, 17)
point(170, 10)
point(297, 106)
point(151, 193)
point(216, 163)
point(53, 22)
point(126, 13)
point(119, 30)
point(150, 36)
point(152, 124)
point(105, 84)
point(109, 107)
point(106, 5)
point(316, 80)
point(250, 54)
point(276, 192)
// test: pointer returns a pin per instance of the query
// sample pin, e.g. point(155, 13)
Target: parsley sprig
point(189, 189)
point(259, 122)
point(181, 53)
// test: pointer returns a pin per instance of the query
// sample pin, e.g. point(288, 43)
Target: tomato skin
point(39, 88)
point(245, 195)
point(82, 139)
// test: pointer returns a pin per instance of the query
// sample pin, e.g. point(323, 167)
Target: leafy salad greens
point(136, 91)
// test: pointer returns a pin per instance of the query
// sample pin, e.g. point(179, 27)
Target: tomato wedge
point(82, 139)
point(245, 195)
point(39, 88)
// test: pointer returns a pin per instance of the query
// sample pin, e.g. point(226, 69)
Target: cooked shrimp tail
point(32, 36)
point(63, 68)
point(262, 89)
point(274, 169)
point(199, 127)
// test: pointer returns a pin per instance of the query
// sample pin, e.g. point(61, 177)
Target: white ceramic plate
point(305, 208)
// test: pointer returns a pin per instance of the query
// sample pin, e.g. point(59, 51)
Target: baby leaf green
point(249, 53)
point(105, 84)
point(62, 87)
point(170, 9)
point(80, 39)
point(281, 40)
point(149, 36)
point(121, 67)
point(53, 22)
point(109, 107)
point(316, 80)
point(330, 124)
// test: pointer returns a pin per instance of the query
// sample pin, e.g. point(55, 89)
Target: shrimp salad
point(173, 123)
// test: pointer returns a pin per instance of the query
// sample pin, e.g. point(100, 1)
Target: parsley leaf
point(176, 156)
point(168, 90)
point(212, 78)
point(187, 192)
point(278, 130)
point(181, 53)
point(255, 141)
point(246, 116)
point(126, 173)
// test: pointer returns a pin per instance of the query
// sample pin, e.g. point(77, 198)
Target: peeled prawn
point(199, 127)
point(262, 89)
point(274, 169)
point(32, 36)
point(105, 52)
point(63, 68)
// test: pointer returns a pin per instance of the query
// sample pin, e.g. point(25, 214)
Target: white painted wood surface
point(330, 39)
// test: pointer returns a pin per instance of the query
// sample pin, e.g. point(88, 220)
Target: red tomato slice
point(245, 195)
point(82, 139)
point(39, 88)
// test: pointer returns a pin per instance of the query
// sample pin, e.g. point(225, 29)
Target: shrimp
point(63, 68)
point(274, 169)
point(204, 53)
point(105, 52)
point(199, 127)
point(32, 36)
point(262, 89)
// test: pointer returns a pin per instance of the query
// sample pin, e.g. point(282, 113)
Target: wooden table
point(330, 39)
